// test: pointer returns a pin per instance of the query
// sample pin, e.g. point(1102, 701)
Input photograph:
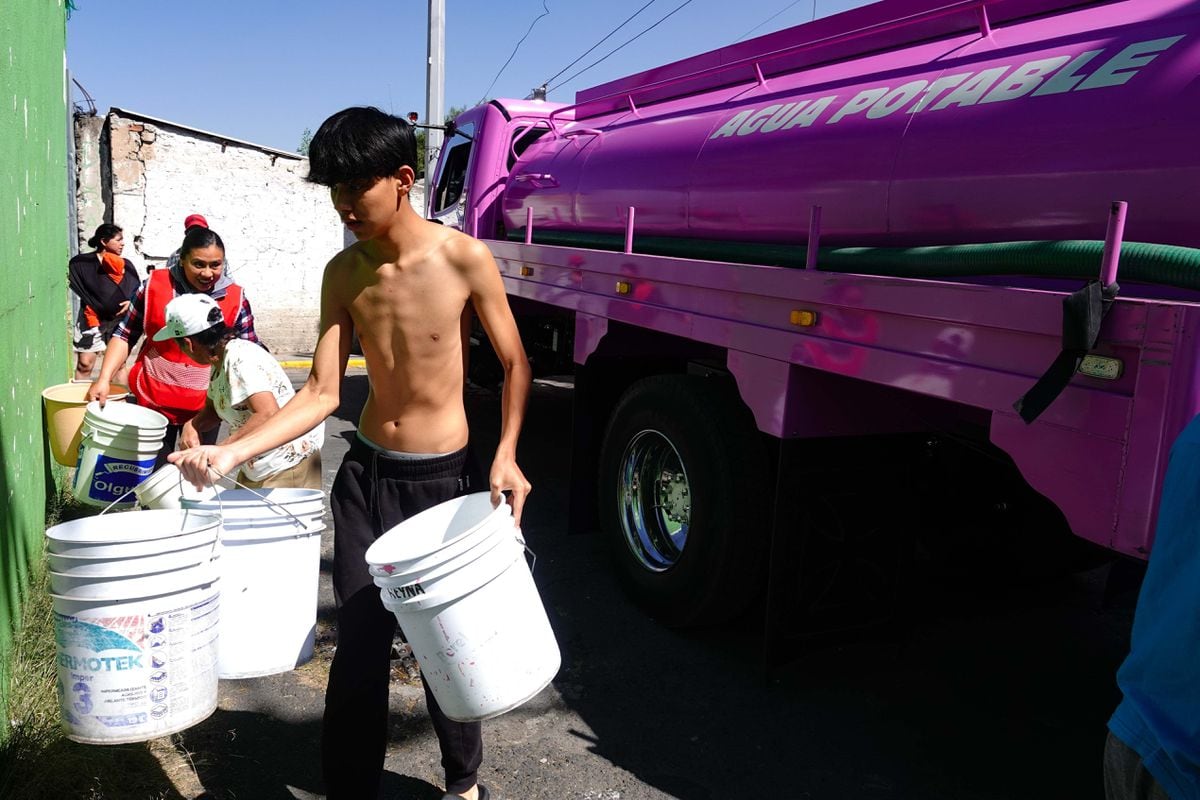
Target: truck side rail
point(973, 345)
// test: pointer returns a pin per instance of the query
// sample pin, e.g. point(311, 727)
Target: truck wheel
point(683, 491)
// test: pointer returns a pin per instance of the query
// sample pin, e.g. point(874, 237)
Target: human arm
point(263, 406)
point(491, 304)
point(316, 400)
point(243, 324)
point(114, 358)
point(206, 420)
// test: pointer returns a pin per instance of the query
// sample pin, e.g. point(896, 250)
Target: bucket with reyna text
point(270, 565)
point(473, 616)
point(136, 608)
point(119, 447)
point(65, 405)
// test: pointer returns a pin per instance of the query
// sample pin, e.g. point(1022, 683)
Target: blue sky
point(264, 70)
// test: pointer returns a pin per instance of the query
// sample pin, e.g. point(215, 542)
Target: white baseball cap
point(189, 314)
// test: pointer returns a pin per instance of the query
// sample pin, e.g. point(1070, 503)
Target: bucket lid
point(259, 514)
point(136, 526)
point(128, 566)
point(124, 415)
point(102, 599)
point(434, 529)
point(434, 570)
point(247, 499)
point(420, 595)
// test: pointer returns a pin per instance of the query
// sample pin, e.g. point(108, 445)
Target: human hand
point(189, 437)
point(121, 309)
point(98, 391)
point(201, 466)
point(506, 476)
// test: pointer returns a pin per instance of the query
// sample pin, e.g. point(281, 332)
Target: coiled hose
point(1141, 262)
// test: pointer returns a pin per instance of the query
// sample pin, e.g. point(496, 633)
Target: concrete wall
point(91, 176)
point(34, 339)
point(279, 231)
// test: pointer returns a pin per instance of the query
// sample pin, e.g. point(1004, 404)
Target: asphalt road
point(989, 689)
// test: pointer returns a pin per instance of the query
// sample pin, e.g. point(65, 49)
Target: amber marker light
point(624, 287)
point(526, 271)
point(803, 318)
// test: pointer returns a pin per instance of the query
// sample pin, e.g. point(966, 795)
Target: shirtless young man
point(405, 286)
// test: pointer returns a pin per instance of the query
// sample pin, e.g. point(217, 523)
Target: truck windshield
point(452, 169)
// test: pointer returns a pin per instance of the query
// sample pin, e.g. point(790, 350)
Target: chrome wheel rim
point(654, 501)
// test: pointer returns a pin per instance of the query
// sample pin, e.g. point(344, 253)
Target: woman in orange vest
point(163, 377)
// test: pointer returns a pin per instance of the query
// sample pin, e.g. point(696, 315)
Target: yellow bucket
point(65, 405)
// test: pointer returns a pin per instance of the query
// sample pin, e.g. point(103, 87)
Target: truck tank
point(907, 122)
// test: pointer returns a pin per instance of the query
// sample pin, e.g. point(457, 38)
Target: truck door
point(448, 196)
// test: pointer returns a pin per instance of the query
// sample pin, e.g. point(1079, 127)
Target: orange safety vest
point(163, 377)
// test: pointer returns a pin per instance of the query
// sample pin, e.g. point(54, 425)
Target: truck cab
point(481, 147)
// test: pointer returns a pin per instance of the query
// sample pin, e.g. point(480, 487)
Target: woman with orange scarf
point(105, 283)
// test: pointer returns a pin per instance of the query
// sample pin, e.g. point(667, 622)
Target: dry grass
point(38, 761)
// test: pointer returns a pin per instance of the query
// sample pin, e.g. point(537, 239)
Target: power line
point(776, 14)
point(619, 47)
point(597, 44)
point(514, 52)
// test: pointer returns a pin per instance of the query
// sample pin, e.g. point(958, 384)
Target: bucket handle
point(114, 502)
point(521, 541)
point(262, 497)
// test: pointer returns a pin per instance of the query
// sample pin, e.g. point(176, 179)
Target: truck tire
point(683, 492)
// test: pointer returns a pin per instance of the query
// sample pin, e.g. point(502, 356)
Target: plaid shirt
point(132, 326)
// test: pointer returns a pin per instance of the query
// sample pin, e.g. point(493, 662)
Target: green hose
point(1162, 264)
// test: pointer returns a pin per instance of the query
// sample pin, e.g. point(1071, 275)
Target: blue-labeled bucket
point(119, 447)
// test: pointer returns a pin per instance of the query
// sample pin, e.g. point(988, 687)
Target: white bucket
point(92, 566)
point(137, 651)
point(479, 632)
point(166, 488)
point(147, 533)
point(445, 531)
point(270, 565)
point(477, 565)
point(124, 582)
point(120, 445)
point(118, 417)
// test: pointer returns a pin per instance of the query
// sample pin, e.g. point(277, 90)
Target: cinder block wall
point(34, 336)
point(279, 231)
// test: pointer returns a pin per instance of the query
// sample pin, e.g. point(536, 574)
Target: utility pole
point(435, 88)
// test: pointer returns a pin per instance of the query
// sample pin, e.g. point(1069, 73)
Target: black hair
point(103, 234)
point(217, 335)
point(197, 237)
point(360, 143)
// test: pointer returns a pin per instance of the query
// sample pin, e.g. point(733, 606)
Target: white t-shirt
point(248, 369)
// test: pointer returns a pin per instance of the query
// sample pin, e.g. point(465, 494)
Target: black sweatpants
point(371, 494)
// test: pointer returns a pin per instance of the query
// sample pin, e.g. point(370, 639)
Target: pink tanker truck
point(926, 265)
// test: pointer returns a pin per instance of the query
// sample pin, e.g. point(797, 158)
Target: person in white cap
point(246, 389)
